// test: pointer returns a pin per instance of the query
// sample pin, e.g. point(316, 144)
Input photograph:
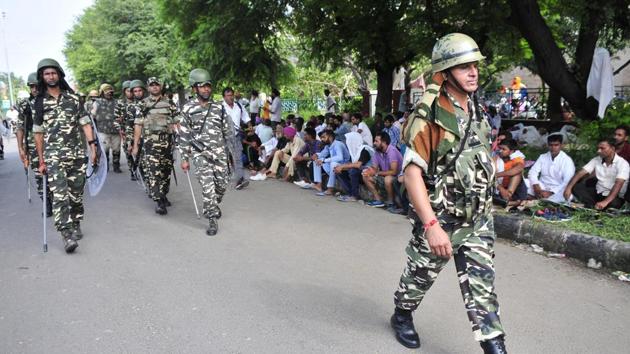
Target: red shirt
point(624, 151)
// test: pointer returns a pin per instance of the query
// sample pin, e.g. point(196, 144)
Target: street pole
point(6, 57)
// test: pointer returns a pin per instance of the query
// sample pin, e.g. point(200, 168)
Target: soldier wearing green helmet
point(58, 124)
point(205, 139)
point(26, 140)
point(450, 177)
point(133, 110)
point(120, 113)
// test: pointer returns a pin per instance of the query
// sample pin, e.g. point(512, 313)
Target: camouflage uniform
point(109, 128)
point(462, 201)
point(133, 111)
point(64, 154)
point(121, 114)
point(212, 132)
point(157, 118)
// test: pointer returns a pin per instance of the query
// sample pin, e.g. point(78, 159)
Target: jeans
point(349, 180)
point(328, 168)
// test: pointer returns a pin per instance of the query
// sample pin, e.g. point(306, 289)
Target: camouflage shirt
point(25, 111)
point(121, 110)
point(60, 123)
point(104, 114)
point(158, 115)
point(209, 127)
point(133, 111)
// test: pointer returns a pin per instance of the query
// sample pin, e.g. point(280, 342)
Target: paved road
point(289, 272)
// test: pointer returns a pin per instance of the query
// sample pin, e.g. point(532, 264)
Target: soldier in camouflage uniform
point(155, 125)
point(59, 119)
point(449, 175)
point(121, 113)
point(133, 110)
point(26, 140)
point(108, 124)
point(205, 137)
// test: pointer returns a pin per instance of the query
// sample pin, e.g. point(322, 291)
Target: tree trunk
point(384, 82)
point(554, 109)
point(551, 64)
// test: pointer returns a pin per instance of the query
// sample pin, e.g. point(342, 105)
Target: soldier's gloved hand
point(439, 242)
point(185, 166)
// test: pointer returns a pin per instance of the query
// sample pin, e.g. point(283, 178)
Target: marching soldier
point(121, 115)
point(205, 138)
point(133, 110)
point(104, 113)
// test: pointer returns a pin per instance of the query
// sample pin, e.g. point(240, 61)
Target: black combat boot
point(161, 207)
point(77, 234)
point(219, 214)
point(117, 169)
point(402, 323)
point(213, 227)
point(68, 243)
point(494, 346)
point(167, 202)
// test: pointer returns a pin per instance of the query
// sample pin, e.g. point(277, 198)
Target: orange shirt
point(508, 165)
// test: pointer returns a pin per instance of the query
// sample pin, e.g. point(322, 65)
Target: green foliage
point(18, 84)
point(599, 224)
point(618, 113)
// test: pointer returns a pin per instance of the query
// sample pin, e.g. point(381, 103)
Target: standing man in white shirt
point(611, 172)
point(239, 117)
point(276, 108)
point(551, 173)
point(359, 126)
point(331, 105)
point(254, 105)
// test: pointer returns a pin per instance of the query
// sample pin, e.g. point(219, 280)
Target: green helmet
point(136, 83)
point(125, 84)
point(49, 63)
point(452, 50)
point(32, 79)
point(199, 76)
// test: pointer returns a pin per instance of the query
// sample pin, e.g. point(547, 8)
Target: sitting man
point(511, 185)
point(284, 155)
point(610, 183)
point(392, 131)
point(551, 173)
point(349, 174)
point(302, 160)
point(359, 126)
point(386, 166)
point(333, 153)
point(621, 142)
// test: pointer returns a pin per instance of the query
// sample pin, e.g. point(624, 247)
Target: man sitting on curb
point(302, 160)
point(333, 153)
point(610, 183)
point(294, 144)
point(349, 174)
point(387, 162)
point(392, 131)
point(621, 142)
point(551, 173)
point(511, 186)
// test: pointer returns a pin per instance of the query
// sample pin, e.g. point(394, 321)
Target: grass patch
point(612, 227)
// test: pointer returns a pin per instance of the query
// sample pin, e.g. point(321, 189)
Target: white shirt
point(237, 113)
point(331, 105)
point(276, 110)
point(254, 105)
point(552, 175)
point(365, 132)
point(264, 132)
point(606, 175)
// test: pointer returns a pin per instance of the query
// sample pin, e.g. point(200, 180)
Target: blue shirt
point(394, 135)
point(335, 152)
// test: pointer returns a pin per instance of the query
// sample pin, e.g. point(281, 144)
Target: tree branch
point(622, 67)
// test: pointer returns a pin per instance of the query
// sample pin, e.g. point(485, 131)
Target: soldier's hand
point(42, 168)
point(185, 166)
point(94, 156)
point(439, 241)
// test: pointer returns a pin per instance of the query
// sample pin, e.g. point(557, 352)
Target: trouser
point(237, 152)
point(304, 170)
point(66, 179)
point(213, 178)
point(34, 160)
point(158, 163)
point(129, 142)
point(473, 253)
point(349, 180)
point(286, 159)
point(252, 157)
point(111, 142)
point(328, 168)
point(586, 192)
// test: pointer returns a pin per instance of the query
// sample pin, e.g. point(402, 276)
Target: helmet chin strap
point(456, 84)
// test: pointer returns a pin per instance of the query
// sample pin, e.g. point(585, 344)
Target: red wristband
point(429, 224)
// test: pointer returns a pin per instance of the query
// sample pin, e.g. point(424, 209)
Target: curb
point(613, 254)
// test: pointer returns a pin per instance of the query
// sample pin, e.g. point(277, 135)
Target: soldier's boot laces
point(405, 331)
point(77, 234)
point(213, 227)
point(68, 243)
point(494, 346)
point(161, 207)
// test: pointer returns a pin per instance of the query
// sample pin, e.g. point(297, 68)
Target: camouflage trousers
point(34, 165)
point(66, 179)
point(157, 161)
point(214, 180)
point(473, 254)
point(126, 144)
point(111, 142)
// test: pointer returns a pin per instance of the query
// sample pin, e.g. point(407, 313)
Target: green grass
point(615, 227)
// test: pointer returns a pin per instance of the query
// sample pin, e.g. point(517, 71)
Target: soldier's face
point(108, 94)
point(33, 90)
point(155, 89)
point(204, 91)
point(467, 75)
point(138, 93)
point(128, 94)
point(51, 77)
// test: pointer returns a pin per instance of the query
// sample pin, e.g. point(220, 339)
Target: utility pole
point(6, 57)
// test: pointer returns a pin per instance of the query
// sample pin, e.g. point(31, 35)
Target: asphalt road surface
point(289, 272)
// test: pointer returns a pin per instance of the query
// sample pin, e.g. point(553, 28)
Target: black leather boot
point(68, 243)
point(161, 207)
point(494, 346)
point(405, 331)
point(77, 234)
point(213, 227)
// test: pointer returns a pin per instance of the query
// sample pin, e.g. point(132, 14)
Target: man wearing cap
point(286, 154)
point(108, 124)
point(133, 110)
point(155, 125)
point(57, 125)
point(120, 112)
point(206, 135)
point(91, 97)
point(449, 175)
point(26, 139)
